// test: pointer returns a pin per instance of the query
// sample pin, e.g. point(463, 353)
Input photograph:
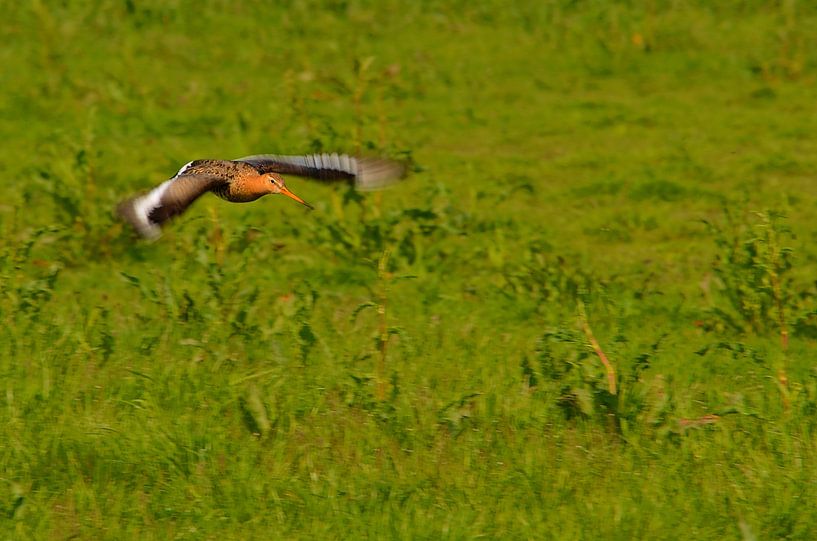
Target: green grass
point(650, 166)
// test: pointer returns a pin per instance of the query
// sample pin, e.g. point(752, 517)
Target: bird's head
point(274, 183)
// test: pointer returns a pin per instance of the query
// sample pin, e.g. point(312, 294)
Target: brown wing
point(148, 212)
point(364, 173)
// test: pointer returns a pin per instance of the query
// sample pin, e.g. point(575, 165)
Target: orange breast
point(246, 188)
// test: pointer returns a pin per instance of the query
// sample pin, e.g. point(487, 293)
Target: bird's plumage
point(366, 173)
point(246, 179)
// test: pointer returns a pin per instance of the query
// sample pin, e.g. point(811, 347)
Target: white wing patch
point(143, 206)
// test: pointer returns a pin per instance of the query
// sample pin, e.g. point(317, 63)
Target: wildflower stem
point(777, 292)
point(382, 272)
point(588, 332)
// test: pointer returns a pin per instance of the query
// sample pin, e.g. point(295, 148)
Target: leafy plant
point(752, 271)
point(564, 357)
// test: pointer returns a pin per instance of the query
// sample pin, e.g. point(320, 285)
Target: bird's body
point(233, 181)
point(247, 179)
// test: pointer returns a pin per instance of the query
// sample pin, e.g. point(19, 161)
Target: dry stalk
point(700, 421)
point(588, 332)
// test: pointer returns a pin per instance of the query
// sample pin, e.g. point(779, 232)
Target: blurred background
point(589, 311)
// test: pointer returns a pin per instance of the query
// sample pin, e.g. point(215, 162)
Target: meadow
point(590, 311)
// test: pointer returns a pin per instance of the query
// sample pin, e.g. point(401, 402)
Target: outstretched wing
point(364, 173)
point(149, 211)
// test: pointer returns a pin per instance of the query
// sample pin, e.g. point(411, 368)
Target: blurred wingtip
point(126, 211)
point(378, 173)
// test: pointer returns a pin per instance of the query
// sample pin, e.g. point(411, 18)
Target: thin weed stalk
point(773, 268)
point(383, 340)
point(588, 332)
point(774, 278)
point(782, 377)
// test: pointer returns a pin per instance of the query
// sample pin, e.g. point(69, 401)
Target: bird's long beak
point(285, 191)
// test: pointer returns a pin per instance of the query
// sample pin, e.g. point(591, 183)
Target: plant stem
point(383, 275)
point(777, 290)
point(774, 278)
point(588, 332)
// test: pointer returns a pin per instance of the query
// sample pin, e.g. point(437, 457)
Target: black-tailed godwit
point(246, 179)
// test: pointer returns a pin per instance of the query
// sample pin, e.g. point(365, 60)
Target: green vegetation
point(633, 180)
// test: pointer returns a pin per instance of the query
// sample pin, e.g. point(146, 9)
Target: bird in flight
point(246, 179)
